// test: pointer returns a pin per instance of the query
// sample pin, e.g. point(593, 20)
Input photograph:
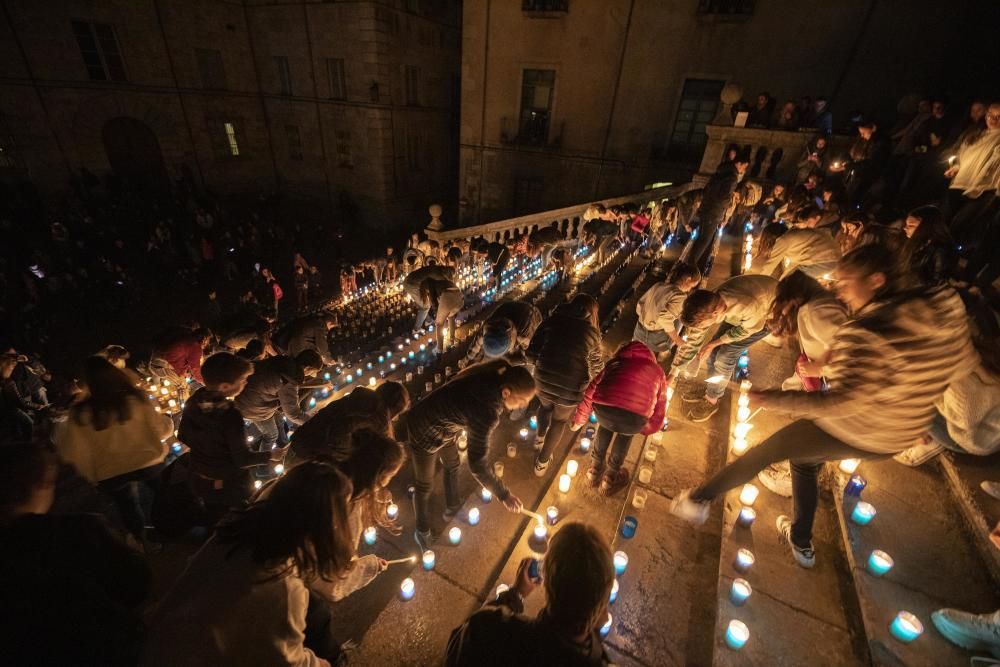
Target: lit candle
point(473, 516)
point(747, 516)
point(593, 418)
point(572, 467)
point(656, 438)
point(541, 532)
point(879, 562)
point(744, 560)
point(645, 474)
point(257, 484)
point(745, 386)
point(614, 592)
point(748, 496)
point(498, 469)
point(650, 454)
point(739, 592)
point(740, 446)
point(855, 485)
point(370, 534)
point(849, 465)
point(606, 628)
point(639, 499)
point(737, 634)
point(406, 589)
point(512, 450)
point(523, 433)
point(533, 422)
point(455, 535)
point(584, 445)
point(743, 414)
point(863, 513)
point(906, 627)
point(279, 469)
point(741, 430)
point(392, 511)
point(428, 559)
point(564, 482)
point(486, 495)
point(371, 381)
point(621, 562)
point(743, 401)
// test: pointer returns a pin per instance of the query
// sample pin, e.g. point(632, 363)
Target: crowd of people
point(877, 271)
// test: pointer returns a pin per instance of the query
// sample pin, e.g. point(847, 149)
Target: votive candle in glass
point(533, 421)
point(639, 499)
point(606, 628)
point(747, 516)
point(863, 513)
point(392, 511)
point(455, 535)
point(737, 634)
point(748, 496)
point(614, 592)
point(906, 627)
point(473, 516)
point(523, 433)
point(743, 414)
point(564, 482)
point(428, 558)
point(553, 514)
point(879, 562)
point(370, 535)
point(486, 495)
point(744, 560)
point(645, 474)
point(541, 532)
point(572, 467)
point(621, 562)
point(849, 465)
point(584, 445)
point(511, 451)
point(739, 592)
point(406, 589)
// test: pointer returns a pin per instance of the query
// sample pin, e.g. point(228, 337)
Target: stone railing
point(774, 154)
point(569, 220)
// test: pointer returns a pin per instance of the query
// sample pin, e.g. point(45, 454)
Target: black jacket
point(470, 403)
point(273, 386)
point(331, 428)
point(305, 333)
point(212, 427)
point(499, 634)
point(435, 271)
point(566, 351)
point(718, 194)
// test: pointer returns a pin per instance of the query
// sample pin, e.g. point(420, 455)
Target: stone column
point(435, 225)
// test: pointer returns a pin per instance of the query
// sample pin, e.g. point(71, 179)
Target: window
point(699, 102)
point(224, 136)
point(284, 74)
point(338, 82)
point(412, 85)
point(213, 71)
point(536, 106)
point(544, 5)
point(413, 146)
point(527, 195)
point(344, 149)
point(234, 146)
point(294, 142)
point(737, 7)
point(99, 48)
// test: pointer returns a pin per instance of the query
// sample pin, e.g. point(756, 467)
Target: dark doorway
point(134, 154)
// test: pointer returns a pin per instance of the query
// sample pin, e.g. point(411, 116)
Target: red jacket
point(184, 354)
point(632, 381)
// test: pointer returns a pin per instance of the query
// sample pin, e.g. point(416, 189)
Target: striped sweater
point(887, 368)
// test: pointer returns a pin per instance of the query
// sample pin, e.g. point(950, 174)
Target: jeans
point(806, 446)
point(552, 420)
point(319, 631)
point(272, 432)
point(620, 425)
point(722, 360)
point(656, 340)
point(701, 247)
point(126, 492)
point(423, 472)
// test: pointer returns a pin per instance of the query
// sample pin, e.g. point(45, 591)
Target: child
point(212, 427)
point(660, 307)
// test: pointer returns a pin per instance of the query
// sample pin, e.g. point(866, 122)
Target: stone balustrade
point(569, 219)
point(774, 154)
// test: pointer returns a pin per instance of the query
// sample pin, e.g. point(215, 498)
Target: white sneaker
point(773, 340)
point(919, 454)
point(975, 632)
point(541, 467)
point(777, 478)
point(991, 488)
point(805, 557)
point(692, 511)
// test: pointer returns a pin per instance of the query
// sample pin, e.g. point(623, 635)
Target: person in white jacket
point(244, 597)
point(813, 251)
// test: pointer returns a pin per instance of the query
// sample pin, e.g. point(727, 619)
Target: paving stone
point(964, 474)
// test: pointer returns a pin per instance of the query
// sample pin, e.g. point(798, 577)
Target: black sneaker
point(614, 482)
point(702, 411)
point(804, 556)
point(423, 539)
point(450, 514)
point(693, 393)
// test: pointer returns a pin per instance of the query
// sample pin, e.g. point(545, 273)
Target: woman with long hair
point(471, 402)
point(114, 438)
point(929, 252)
point(887, 367)
point(244, 597)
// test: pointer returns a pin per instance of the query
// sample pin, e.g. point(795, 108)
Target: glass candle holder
point(621, 562)
point(863, 513)
point(645, 474)
point(498, 468)
point(906, 627)
point(486, 495)
point(606, 628)
point(552, 513)
point(650, 454)
point(614, 592)
point(849, 465)
point(737, 634)
point(455, 535)
point(428, 559)
point(392, 511)
point(744, 560)
point(473, 516)
point(564, 483)
point(511, 451)
point(747, 516)
point(639, 499)
point(748, 496)
point(371, 535)
point(572, 467)
point(740, 592)
point(855, 485)
point(584, 445)
point(523, 433)
point(879, 562)
point(541, 532)
point(407, 589)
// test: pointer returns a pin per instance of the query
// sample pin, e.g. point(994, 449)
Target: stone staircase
point(673, 604)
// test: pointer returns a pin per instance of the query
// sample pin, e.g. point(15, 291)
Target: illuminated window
point(234, 146)
point(536, 105)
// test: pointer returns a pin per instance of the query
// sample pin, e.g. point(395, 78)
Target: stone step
point(964, 473)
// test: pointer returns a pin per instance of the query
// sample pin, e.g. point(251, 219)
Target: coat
point(306, 333)
point(333, 426)
point(631, 381)
point(273, 386)
point(212, 427)
point(566, 351)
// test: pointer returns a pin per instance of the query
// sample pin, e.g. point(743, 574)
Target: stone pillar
point(435, 225)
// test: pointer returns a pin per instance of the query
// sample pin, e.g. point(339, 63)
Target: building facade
point(566, 101)
point(342, 105)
